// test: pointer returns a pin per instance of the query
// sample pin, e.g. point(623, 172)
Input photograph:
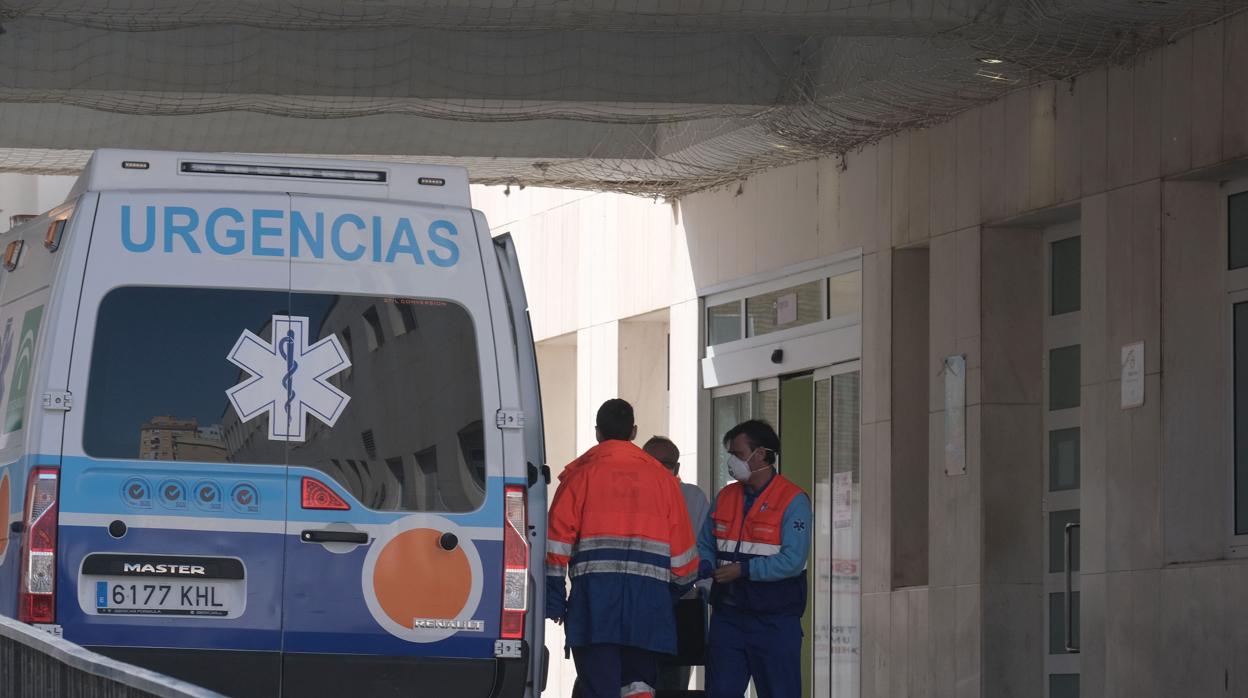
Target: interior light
point(991, 61)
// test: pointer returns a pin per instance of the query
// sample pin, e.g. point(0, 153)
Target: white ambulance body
point(271, 425)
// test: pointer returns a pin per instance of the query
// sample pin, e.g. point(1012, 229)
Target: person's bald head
point(664, 451)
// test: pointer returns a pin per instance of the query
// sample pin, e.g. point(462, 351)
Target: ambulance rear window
point(381, 394)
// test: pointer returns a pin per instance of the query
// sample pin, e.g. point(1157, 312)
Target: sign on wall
point(955, 415)
point(1133, 375)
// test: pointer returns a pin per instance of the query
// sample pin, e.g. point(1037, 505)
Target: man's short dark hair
point(656, 440)
point(758, 434)
point(615, 420)
point(663, 442)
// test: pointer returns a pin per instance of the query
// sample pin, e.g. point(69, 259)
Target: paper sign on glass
point(786, 309)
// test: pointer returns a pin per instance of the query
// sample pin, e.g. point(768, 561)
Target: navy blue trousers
point(765, 648)
point(615, 671)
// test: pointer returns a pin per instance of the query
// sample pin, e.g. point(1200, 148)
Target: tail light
point(317, 495)
point(515, 563)
point(37, 590)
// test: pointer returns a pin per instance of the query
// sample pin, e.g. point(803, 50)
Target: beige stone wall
point(1135, 154)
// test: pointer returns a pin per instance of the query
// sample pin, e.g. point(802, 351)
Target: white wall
point(30, 194)
point(608, 280)
point(643, 372)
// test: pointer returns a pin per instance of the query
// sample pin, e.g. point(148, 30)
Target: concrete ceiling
point(653, 96)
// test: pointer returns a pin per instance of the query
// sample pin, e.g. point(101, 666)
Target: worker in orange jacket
point(618, 527)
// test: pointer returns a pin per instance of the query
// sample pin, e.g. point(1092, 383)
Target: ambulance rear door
point(173, 503)
point(395, 535)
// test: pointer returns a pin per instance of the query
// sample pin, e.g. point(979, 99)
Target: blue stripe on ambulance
point(95, 490)
point(348, 611)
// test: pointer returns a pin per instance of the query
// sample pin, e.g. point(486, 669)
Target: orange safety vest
point(741, 536)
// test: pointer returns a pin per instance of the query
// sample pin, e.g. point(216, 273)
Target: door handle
point(1068, 597)
point(326, 536)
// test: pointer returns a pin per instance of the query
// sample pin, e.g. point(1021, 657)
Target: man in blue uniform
point(758, 537)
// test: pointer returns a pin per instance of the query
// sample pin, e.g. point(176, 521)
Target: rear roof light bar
point(236, 169)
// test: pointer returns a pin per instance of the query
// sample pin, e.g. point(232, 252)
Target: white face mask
point(739, 469)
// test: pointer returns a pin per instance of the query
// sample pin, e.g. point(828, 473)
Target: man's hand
point(727, 573)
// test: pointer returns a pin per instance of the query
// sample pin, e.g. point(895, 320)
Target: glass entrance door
point(835, 572)
point(817, 416)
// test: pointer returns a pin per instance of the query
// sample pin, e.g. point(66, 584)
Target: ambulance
point(271, 425)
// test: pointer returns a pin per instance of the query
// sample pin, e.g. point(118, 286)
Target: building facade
point(998, 348)
point(168, 438)
point(973, 337)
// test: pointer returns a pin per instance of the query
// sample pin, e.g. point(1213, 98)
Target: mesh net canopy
point(657, 97)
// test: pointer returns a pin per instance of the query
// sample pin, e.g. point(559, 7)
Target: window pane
point(1063, 686)
point(1057, 540)
point(372, 323)
point(723, 323)
point(1241, 418)
point(779, 310)
point(1064, 378)
point(1237, 230)
point(821, 553)
point(158, 390)
point(769, 406)
point(845, 294)
point(1064, 276)
point(472, 448)
point(1057, 622)
point(844, 601)
point(1064, 459)
point(726, 412)
point(845, 414)
point(402, 319)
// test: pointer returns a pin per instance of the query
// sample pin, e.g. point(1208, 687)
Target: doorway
point(786, 349)
point(817, 415)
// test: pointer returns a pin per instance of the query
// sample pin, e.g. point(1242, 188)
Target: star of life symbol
point(289, 379)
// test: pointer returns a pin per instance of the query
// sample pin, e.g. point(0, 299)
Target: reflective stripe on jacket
point(761, 533)
point(618, 527)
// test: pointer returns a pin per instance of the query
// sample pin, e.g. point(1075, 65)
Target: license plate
point(136, 584)
point(165, 597)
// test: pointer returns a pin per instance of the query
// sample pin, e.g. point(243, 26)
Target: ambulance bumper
point(268, 674)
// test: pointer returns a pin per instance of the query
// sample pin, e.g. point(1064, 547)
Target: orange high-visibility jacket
point(747, 526)
point(618, 527)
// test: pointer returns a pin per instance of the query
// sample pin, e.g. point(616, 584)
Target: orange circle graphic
point(4, 513)
point(415, 578)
